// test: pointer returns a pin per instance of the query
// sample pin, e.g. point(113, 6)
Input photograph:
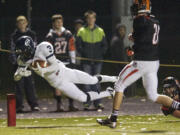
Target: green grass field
point(127, 125)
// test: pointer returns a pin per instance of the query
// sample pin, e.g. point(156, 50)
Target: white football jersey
point(44, 51)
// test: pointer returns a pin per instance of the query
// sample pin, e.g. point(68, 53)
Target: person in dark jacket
point(78, 24)
point(91, 43)
point(26, 83)
point(117, 49)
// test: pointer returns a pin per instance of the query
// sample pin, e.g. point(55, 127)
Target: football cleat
point(111, 91)
point(107, 122)
point(73, 109)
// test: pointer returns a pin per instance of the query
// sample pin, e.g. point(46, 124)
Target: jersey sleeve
point(72, 44)
point(71, 40)
point(48, 50)
point(167, 111)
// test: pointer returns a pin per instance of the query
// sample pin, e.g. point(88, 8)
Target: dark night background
point(167, 11)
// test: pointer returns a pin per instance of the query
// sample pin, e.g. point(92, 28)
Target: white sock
point(105, 78)
point(175, 105)
point(94, 95)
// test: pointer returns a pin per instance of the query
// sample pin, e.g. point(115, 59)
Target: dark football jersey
point(146, 37)
point(62, 43)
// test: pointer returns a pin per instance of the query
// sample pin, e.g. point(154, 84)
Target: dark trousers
point(93, 69)
point(26, 84)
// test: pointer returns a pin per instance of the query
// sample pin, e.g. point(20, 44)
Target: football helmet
point(140, 6)
point(26, 47)
point(171, 87)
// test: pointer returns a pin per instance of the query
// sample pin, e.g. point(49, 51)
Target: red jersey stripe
point(134, 71)
point(122, 72)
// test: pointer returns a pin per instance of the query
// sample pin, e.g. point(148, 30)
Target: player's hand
point(17, 77)
point(129, 52)
point(41, 70)
point(130, 37)
point(21, 72)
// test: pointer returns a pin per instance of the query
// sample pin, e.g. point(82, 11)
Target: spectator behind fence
point(117, 49)
point(91, 43)
point(26, 83)
point(64, 49)
point(78, 23)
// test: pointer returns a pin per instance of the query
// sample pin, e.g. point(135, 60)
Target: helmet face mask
point(170, 91)
point(26, 47)
point(171, 87)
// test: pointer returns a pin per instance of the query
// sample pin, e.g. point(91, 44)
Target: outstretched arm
point(22, 70)
point(53, 63)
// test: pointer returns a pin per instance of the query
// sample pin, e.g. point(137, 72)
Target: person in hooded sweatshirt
point(117, 49)
point(26, 83)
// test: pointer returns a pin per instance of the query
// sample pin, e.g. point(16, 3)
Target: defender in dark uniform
point(145, 35)
point(26, 83)
point(171, 88)
point(145, 64)
point(64, 49)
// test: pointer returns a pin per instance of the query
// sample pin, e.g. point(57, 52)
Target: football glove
point(40, 70)
point(129, 51)
point(130, 37)
point(21, 72)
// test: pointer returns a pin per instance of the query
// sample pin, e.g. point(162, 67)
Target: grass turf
point(127, 125)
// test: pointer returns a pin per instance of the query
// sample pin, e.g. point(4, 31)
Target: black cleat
point(73, 109)
point(107, 122)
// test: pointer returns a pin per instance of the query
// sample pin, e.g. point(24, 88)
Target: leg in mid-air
point(80, 77)
point(127, 76)
point(93, 69)
point(72, 91)
point(150, 82)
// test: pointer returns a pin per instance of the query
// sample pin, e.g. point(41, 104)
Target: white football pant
point(137, 69)
point(70, 77)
